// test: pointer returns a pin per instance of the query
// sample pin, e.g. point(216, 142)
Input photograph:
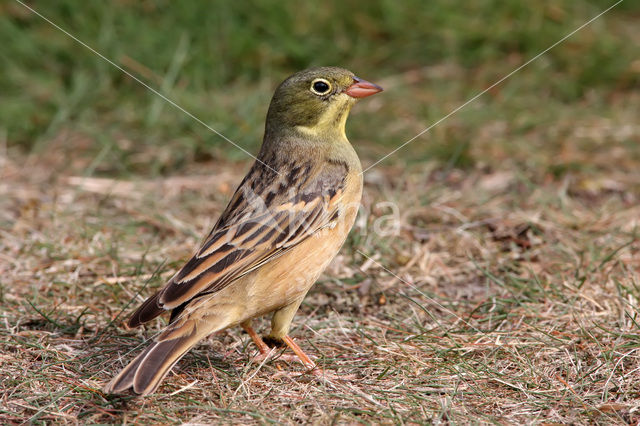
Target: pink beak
point(362, 88)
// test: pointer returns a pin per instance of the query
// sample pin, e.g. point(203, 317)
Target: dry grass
point(505, 291)
point(506, 295)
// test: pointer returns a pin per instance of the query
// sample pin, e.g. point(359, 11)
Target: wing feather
point(261, 223)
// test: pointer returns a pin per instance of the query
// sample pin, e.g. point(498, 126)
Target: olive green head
point(316, 102)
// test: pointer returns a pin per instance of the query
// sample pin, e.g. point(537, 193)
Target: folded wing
point(268, 215)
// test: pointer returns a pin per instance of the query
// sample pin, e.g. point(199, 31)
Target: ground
point(493, 274)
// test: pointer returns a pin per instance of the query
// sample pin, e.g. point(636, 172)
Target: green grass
point(221, 60)
point(509, 293)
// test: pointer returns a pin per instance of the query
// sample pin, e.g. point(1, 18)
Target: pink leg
point(262, 346)
point(306, 361)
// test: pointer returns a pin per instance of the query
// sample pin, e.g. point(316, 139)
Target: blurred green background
point(221, 61)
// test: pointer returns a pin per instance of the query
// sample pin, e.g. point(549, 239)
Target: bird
point(286, 221)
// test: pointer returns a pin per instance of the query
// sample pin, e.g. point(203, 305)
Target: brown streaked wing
point(246, 239)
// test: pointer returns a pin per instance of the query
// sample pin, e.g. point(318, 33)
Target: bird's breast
point(289, 277)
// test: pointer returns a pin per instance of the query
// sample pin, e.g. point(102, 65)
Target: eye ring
point(320, 86)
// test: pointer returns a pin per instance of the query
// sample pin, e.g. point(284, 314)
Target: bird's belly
point(289, 277)
point(274, 285)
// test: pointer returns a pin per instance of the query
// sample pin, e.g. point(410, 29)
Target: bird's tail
point(147, 370)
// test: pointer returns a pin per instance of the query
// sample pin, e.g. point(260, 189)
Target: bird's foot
point(267, 347)
point(273, 342)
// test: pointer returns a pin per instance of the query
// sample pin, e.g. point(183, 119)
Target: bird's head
point(316, 102)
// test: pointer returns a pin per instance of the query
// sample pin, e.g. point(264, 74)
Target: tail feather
point(124, 379)
point(146, 312)
point(147, 370)
point(148, 379)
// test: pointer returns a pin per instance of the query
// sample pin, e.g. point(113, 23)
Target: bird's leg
point(311, 366)
point(265, 350)
point(280, 324)
point(262, 346)
point(304, 358)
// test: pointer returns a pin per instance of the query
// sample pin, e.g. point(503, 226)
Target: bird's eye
point(320, 86)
